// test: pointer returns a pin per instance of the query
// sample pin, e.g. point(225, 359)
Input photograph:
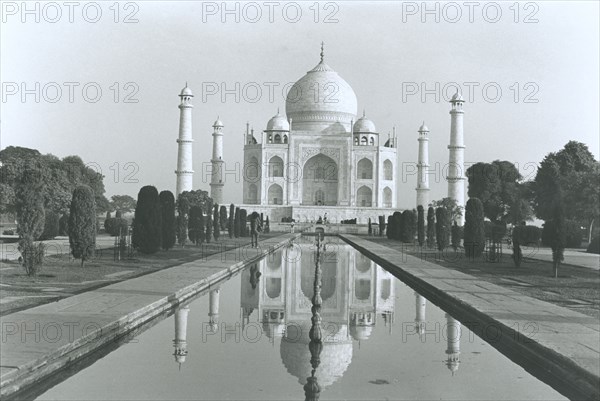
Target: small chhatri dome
point(218, 123)
point(423, 128)
point(457, 97)
point(363, 124)
point(186, 91)
point(278, 123)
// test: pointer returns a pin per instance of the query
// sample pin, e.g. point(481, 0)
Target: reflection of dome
point(278, 123)
point(320, 99)
point(360, 333)
point(364, 125)
point(273, 329)
point(335, 357)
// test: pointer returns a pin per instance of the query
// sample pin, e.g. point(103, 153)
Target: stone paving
point(38, 341)
point(559, 346)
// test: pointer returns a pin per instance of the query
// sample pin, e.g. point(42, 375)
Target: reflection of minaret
point(184, 170)
point(180, 342)
point(453, 337)
point(456, 164)
point(213, 308)
point(422, 167)
point(216, 181)
point(420, 303)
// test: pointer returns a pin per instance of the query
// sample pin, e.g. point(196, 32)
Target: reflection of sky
point(384, 366)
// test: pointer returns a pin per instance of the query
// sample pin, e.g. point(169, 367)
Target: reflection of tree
point(312, 390)
point(254, 275)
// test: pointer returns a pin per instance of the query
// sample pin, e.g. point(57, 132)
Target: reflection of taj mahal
point(357, 294)
point(317, 155)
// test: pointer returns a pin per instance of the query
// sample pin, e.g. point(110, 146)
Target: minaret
point(213, 308)
point(180, 342)
point(184, 170)
point(420, 304)
point(216, 179)
point(456, 164)
point(453, 338)
point(422, 167)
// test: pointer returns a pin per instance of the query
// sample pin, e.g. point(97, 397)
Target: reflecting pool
point(249, 339)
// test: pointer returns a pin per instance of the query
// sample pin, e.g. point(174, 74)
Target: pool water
point(248, 340)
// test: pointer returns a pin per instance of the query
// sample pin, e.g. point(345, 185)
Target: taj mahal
point(318, 159)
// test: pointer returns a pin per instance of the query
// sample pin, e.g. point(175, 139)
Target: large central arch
point(320, 181)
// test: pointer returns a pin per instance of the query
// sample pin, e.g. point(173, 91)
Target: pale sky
point(382, 49)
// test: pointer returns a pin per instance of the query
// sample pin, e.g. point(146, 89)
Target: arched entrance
point(320, 181)
point(275, 195)
point(364, 196)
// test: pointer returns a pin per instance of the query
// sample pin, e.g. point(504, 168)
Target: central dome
point(321, 101)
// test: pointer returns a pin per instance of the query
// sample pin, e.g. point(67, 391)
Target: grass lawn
point(61, 276)
point(576, 288)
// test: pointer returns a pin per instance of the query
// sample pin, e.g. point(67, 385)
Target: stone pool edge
point(554, 367)
point(24, 375)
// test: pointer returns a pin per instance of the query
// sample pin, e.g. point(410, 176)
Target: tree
point(50, 225)
point(396, 226)
point(168, 225)
point(147, 224)
point(578, 176)
point(182, 228)
point(455, 235)
point(29, 205)
point(381, 225)
point(474, 229)
point(82, 224)
point(369, 229)
point(196, 225)
point(122, 203)
point(497, 185)
point(453, 210)
point(231, 224)
point(243, 223)
point(408, 226)
point(442, 227)
point(390, 227)
point(217, 223)
point(267, 228)
point(237, 223)
point(209, 226)
point(223, 217)
point(430, 227)
point(420, 225)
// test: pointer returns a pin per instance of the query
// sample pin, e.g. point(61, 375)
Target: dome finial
point(322, 51)
point(364, 113)
point(277, 110)
point(186, 84)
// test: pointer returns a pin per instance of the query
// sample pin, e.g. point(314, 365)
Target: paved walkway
point(38, 341)
point(557, 345)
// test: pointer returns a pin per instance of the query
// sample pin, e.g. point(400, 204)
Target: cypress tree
point(216, 223)
point(30, 220)
point(182, 228)
point(243, 222)
point(441, 227)
point(231, 224)
point(370, 229)
point(455, 236)
point(518, 235)
point(396, 225)
point(236, 223)
point(430, 227)
point(195, 224)
point(267, 228)
point(390, 227)
point(147, 227)
point(474, 228)
point(420, 225)
point(381, 225)
point(82, 224)
point(223, 217)
point(209, 226)
point(167, 209)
